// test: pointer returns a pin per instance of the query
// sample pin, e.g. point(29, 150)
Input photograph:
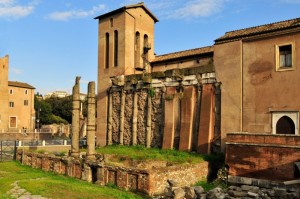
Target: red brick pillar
point(169, 128)
point(207, 119)
point(187, 112)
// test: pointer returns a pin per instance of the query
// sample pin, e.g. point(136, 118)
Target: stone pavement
point(19, 193)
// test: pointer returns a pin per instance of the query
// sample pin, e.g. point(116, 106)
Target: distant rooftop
point(259, 30)
point(122, 9)
point(20, 84)
point(183, 54)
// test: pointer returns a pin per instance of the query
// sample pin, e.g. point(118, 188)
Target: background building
point(16, 103)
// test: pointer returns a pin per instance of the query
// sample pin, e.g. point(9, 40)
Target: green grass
point(51, 185)
point(210, 185)
point(143, 153)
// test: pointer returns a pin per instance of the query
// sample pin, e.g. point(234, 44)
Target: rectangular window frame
point(278, 68)
point(11, 91)
point(11, 104)
point(26, 92)
point(26, 102)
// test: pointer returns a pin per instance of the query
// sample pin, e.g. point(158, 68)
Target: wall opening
point(116, 48)
point(107, 50)
point(94, 174)
point(285, 122)
point(285, 125)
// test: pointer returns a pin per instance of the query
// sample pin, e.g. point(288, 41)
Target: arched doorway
point(285, 125)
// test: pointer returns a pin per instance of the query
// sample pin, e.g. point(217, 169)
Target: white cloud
point(67, 15)
point(197, 8)
point(6, 2)
point(16, 71)
point(12, 10)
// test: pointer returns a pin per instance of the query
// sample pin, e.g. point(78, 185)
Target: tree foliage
point(56, 110)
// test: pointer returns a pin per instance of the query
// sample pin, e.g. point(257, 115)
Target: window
point(285, 125)
point(146, 49)
point(285, 122)
point(13, 122)
point(137, 50)
point(11, 91)
point(11, 104)
point(25, 102)
point(111, 22)
point(284, 57)
point(106, 50)
point(116, 48)
point(26, 92)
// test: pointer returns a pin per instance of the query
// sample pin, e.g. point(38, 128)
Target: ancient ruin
point(75, 118)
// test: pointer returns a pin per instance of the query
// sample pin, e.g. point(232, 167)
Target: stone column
point(75, 118)
point(109, 125)
point(148, 129)
point(91, 120)
point(122, 112)
point(134, 118)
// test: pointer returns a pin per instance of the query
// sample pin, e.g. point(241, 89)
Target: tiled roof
point(20, 84)
point(128, 7)
point(259, 30)
point(183, 54)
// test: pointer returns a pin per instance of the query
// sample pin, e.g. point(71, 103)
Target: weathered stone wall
point(128, 114)
point(116, 103)
point(151, 178)
point(265, 156)
point(142, 114)
point(138, 113)
point(157, 119)
point(183, 175)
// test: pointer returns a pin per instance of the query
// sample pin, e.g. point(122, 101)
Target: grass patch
point(143, 153)
point(51, 185)
point(210, 185)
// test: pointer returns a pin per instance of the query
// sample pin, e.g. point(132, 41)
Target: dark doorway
point(94, 174)
point(285, 125)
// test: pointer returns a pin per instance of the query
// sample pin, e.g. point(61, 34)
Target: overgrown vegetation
point(143, 153)
point(50, 185)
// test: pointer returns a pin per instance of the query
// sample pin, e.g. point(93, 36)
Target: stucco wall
point(265, 89)
point(227, 61)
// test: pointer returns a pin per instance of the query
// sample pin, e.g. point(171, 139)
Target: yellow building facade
point(16, 103)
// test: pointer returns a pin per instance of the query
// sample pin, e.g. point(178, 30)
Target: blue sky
point(50, 42)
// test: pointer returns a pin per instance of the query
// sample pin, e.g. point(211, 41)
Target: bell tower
point(4, 93)
point(125, 47)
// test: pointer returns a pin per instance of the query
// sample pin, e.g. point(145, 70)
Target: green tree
point(61, 107)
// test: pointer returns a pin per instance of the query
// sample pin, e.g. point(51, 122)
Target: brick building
point(195, 100)
point(16, 102)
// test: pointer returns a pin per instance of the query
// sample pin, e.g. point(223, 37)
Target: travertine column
point(187, 112)
point(109, 125)
point(169, 126)
point(75, 118)
point(134, 118)
point(148, 129)
point(91, 120)
point(207, 119)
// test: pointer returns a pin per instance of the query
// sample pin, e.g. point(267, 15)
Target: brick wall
point(264, 156)
point(149, 181)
